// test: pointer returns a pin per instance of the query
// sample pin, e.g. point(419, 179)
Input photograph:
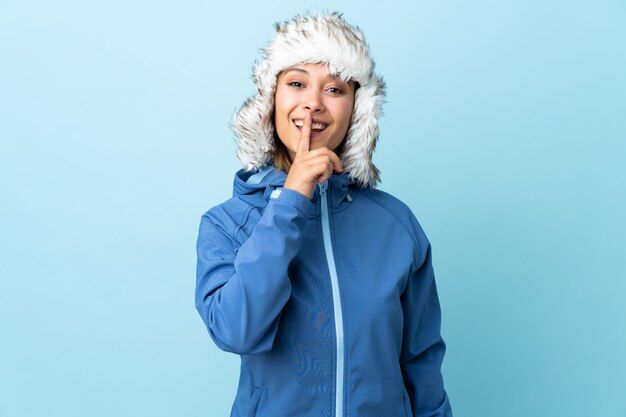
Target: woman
point(322, 283)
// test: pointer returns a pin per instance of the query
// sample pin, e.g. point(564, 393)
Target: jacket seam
point(404, 226)
point(214, 219)
point(244, 221)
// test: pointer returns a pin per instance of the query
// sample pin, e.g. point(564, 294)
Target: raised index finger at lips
point(305, 135)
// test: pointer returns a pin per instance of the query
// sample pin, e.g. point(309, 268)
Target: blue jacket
point(331, 302)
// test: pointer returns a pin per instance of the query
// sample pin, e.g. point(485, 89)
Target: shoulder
point(403, 215)
point(229, 215)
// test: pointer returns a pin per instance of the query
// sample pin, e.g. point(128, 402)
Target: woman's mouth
point(316, 126)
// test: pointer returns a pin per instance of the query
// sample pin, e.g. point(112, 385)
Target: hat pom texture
point(307, 39)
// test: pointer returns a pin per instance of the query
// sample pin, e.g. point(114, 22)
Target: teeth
point(317, 126)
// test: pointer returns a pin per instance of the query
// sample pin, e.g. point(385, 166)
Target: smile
point(316, 126)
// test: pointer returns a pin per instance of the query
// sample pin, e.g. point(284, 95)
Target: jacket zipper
point(330, 258)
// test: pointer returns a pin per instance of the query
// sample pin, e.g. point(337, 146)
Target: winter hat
point(322, 38)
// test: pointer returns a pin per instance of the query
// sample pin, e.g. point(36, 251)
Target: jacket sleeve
point(423, 348)
point(240, 294)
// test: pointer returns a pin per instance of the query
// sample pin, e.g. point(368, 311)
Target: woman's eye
point(335, 90)
point(295, 84)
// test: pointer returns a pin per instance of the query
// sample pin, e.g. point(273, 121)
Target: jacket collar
point(252, 185)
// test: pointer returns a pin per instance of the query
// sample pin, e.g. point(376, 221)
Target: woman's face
point(311, 88)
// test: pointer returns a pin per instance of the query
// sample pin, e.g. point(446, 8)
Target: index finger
point(305, 135)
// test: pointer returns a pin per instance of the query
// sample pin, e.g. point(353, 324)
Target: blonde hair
point(282, 160)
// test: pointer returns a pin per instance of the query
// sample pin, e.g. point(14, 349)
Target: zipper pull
point(322, 187)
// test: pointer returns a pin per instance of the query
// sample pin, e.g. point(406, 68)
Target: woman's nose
point(312, 101)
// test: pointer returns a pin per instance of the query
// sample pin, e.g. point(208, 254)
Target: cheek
point(280, 110)
point(283, 100)
point(344, 110)
point(345, 116)
point(281, 118)
point(280, 128)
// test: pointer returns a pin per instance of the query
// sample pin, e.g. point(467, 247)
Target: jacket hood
point(323, 38)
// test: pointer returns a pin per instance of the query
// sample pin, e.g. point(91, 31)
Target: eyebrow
point(290, 69)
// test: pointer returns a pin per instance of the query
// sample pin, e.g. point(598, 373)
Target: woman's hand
point(310, 167)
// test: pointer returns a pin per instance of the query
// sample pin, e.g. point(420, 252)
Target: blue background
point(504, 131)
